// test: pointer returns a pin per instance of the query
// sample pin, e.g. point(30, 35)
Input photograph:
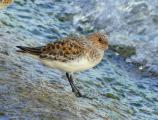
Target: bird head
point(100, 40)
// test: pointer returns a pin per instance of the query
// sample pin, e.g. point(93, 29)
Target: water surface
point(29, 90)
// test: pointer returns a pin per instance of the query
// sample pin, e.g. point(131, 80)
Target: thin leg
point(70, 81)
point(74, 88)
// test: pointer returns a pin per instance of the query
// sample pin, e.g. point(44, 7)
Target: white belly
point(73, 66)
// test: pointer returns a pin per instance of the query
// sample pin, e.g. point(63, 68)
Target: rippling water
point(133, 23)
point(121, 92)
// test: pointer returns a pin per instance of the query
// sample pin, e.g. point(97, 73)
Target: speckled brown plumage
point(72, 54)
point(85, 50)
point(63, 50)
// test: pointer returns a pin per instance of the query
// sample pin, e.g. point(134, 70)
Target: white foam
point(132, 23)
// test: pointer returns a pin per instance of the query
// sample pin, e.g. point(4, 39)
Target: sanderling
point(72, 54)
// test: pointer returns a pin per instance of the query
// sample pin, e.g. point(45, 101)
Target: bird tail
point(31, 50)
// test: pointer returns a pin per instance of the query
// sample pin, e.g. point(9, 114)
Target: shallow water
point(29, 90)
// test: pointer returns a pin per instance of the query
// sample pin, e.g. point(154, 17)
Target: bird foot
point(78, 94)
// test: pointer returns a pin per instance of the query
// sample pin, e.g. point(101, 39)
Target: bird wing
point(31, 50)
point(65, 50)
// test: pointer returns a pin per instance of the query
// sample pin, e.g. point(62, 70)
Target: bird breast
point(76, 65)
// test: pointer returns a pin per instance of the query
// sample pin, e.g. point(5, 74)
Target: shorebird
point(71, 54)
point(5, 3)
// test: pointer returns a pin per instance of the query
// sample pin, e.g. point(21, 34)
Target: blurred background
point(124, 86)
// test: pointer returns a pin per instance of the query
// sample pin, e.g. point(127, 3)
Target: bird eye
point(100, 39)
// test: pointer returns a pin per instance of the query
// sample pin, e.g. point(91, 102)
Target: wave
point(131, 23)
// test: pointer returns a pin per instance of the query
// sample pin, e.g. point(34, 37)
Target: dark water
point(120, 91)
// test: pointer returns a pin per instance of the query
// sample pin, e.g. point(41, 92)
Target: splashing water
point(131, 23)
point(118, 91)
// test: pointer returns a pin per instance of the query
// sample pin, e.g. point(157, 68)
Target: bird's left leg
point(70, 82)
point(74, 88)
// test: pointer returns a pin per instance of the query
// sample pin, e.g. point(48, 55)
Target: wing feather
point(64, 50)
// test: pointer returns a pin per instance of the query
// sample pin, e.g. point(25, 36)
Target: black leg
point(74, 88)
point(77, 92)
point(70, 81)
